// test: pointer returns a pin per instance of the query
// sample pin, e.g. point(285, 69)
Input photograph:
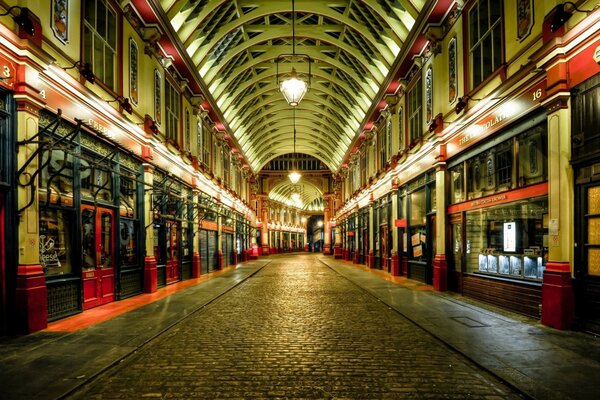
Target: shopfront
point(227, 238)
point(586, 161)
point(88, 218)
point(7, 225)
point(499, 218)
point(383, 236)
point(208, 237)
point(417, 201)
point(168, 200)
point(362, 232)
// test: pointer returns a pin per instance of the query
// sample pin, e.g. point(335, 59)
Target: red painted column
point(356, 257)
point(235, 258)
point(195, 265)
point(31, 298)
point(150, 275)
point(440, 273)
point(557, 296)
point(220, 260)
point(395, 264)
point(371, 259)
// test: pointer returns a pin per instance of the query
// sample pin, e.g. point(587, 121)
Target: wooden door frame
point(97, 273)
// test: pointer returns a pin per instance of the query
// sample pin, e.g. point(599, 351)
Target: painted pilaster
point(195, 242)
point(31, 293)
point(150, 274)
point(557, 289)
point(371, 256)
point(440, 266)
point(395, 259)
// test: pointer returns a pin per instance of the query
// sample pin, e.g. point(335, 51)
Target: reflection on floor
point(116, 308)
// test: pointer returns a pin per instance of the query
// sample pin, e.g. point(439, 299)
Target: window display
point(127, 243)
point(55, 242)
point(508, 239)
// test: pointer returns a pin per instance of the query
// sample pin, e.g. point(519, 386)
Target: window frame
point(414, 110)
point(117, 73)
point(172, 112)
point(469, 47)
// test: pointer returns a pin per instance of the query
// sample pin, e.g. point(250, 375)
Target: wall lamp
point(85, 69)
point(560, 16)
point(436, 124)
point(22, 19)
point(149, 125)
point(123, 102)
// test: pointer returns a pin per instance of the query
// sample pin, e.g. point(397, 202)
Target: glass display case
point(508, 240)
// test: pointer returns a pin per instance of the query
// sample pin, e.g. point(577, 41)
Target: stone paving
point(296, 330)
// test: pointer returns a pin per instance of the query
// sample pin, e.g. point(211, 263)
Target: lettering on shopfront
point(488, 200)
point(509, 109)
point(48, 254)
point(478, 129)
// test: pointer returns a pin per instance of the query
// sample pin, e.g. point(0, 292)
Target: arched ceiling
point(309, 193)
point(234, 45)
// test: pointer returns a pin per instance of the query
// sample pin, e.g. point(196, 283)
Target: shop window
point(56, 182)
point(56, 241)
point(415, 114)
point(485, 39)
point(4, 135)
point(417, 207)
point(532, 156)
point(433, 199)
point(509, 240)
point(96, 182)
point(100, 40)
point(127, 196)
point(172, 105)
point(457, 184)
point(128, 242)
point(504, 163)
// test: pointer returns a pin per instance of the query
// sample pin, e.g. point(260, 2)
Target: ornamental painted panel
point(524, 18)
point(157, 97)
point(60, 19)
point(133, 71)
point(452, 71)
point(429, 94)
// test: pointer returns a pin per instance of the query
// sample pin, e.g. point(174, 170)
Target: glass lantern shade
point(293, 89)
point(294, 176)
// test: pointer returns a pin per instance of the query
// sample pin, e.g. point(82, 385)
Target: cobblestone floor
point(296, 330)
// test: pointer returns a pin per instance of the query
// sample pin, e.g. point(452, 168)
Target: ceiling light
point(294, 175)
point(293, 88)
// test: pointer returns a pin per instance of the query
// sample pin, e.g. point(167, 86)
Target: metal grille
point(186, 270)
point(63, 300)
point(161, 272)
point(131, 283)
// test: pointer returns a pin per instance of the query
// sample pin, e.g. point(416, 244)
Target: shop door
point(98, 255)
point(384, 248)
point(2, 269)
point(213, 261)
point(430, 245)
point(364, 251)
point(203, 251)
point(172, 251)
point(229, 240)
point(588, 287)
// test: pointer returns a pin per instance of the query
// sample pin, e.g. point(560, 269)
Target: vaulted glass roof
point(237, 48)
